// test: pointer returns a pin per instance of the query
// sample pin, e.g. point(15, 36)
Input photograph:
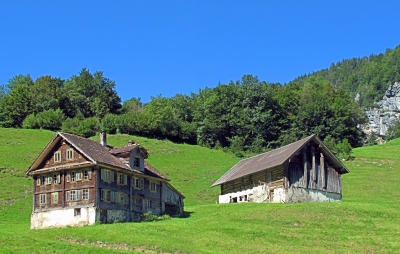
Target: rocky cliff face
point(386, 112)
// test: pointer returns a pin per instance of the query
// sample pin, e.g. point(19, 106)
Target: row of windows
point(70, 155)
point(77, 195)
point(71, 176)
point(150, 204)
point(73, 195)
point(122, 179)
point(116, 197)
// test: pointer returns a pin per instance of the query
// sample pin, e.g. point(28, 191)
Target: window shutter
point(68, 177)
point(112, 196)
point(126, 199)
point(68, 196)
point(89, 174)
point(88, 194)
point(125, 179)
point(38, 180)
point(112, 176)
point(141, 183)
point(102, 195)
point(79, 175)
point(58, 178)
point(78, 195)
point(102, 174)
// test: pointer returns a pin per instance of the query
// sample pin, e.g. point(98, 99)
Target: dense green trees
point(244, 115)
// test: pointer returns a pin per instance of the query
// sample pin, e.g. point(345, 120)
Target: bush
point(344, 149)
point(50, 119)
point(30, 122)
point(108, 123)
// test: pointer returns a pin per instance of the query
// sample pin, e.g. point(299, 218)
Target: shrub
point(30, 122)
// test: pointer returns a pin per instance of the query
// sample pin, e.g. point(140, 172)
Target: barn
point(303, 171)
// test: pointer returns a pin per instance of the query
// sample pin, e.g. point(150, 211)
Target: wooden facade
point(302, 171)
point(78, 182)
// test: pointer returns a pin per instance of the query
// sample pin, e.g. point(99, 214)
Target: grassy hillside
point(366, 221)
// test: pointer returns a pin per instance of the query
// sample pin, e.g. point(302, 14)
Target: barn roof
point(95, 153)
point(275, 158)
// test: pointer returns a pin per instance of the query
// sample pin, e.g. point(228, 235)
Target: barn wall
point(295, 195)
point(324, 177)
point(253, 180)
point(172, 202)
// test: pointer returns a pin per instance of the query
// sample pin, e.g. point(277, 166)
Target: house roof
point(95, 153)
point(275, 158)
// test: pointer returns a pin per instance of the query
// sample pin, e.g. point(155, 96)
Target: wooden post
point(286, 182)
point(305, 167)
point(322, 163)
point(313, 164)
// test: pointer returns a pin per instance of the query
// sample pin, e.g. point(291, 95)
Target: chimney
point(103, 138)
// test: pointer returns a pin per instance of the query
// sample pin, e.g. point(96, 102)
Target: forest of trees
point(244, 116)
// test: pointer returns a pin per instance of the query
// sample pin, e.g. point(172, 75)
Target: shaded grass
point(367, 221)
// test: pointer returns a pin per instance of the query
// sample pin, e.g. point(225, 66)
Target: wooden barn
point(303, 171)
point(78, 181)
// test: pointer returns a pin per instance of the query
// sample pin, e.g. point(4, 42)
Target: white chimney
point(103, 138)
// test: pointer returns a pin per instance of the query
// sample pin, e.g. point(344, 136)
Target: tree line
point(243, 116)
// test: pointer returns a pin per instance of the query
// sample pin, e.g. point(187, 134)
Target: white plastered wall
point(63, 217)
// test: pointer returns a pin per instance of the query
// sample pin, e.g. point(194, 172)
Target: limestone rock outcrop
point(385, 113)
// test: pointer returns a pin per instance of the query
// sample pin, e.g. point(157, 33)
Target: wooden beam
point(305, 175)
point(313, 163)
point(322, 163)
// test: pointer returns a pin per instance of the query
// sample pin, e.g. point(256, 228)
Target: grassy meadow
point(367, 221)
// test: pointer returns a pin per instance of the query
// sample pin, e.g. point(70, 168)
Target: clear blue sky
point(168, 47)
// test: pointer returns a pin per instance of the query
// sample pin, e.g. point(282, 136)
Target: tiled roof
point(94, 150)
point(150, 170)
point(272, 159)
point(123, 149)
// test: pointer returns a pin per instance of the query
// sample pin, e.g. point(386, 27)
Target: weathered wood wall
point(311, 169)
point(250, 181)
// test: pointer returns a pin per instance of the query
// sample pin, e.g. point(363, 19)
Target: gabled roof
point(275, 158)
point(95, 153)
point(128, 148)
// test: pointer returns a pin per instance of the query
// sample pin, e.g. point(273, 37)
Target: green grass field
point(367, 220)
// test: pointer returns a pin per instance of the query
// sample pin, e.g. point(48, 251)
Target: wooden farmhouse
point(78, 181)
point(304, 171)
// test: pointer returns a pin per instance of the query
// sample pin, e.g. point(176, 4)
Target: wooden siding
point(61, 187)
point(250, 181)
point(323, 176)
point(62, 146)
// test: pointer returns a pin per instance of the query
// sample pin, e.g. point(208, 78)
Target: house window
point(42, 199)
point(85, 194)
point(70, 154)
point(57, 156)
point(38, 180)
point(87, 174)
point(74, 195)
point(73, 176)
point(108, 196)
point(54, 198)
point(121, 198)
point(78, 175)
point(137, 201)
point(107, 175)
point(77, 212)
point(138, 183)
point(148, 203)
point(120, 178)
point(126, 197)
point(136, 162)
point(48, 179)
point(43, 179)
point(153, 186)
point(56, 178)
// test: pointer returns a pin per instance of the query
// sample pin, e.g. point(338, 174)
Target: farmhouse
point(303, 171)
point(78, 181)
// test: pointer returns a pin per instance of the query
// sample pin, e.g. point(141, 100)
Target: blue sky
point(168, 47)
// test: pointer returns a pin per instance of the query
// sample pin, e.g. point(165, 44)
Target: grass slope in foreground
point(366, 221)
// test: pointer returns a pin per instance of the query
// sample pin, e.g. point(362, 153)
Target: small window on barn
point(70, 154)
point(57, 156)
point(77, 212)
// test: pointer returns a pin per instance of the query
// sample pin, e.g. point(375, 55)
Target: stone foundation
point(63, 217)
